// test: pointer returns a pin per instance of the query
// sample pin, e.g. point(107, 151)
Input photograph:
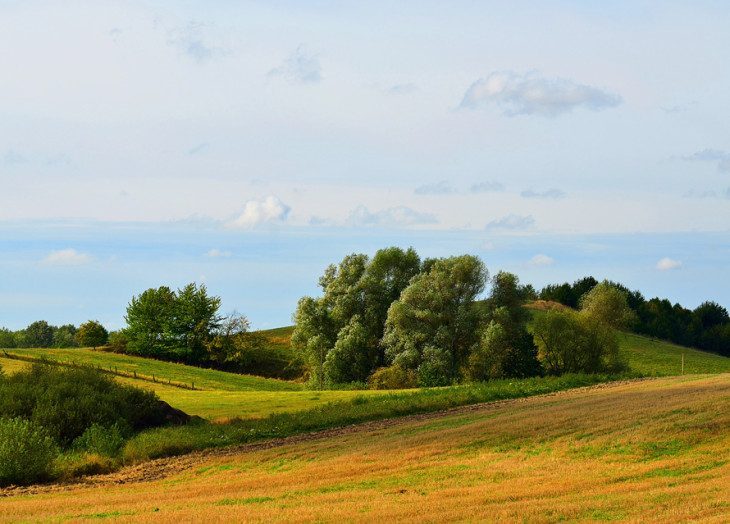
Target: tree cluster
point(395, 321)
point(41, 334)
point(706, 327)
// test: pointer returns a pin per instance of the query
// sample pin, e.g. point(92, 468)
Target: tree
point(354, 355)
point(92, 334)
point(711, 314)
point(149, 322)
point(571, 342)
point(39, 335)
point(195, 317)
point(172, 325)
point(64, 336)
point(7, 339)
point(433, 326)
point(506, 348)
point(356, 296)
point(608, 304)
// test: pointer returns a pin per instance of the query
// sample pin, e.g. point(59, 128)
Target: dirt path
point(160, 468)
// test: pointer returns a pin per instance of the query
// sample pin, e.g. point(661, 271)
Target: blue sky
point(247, 145)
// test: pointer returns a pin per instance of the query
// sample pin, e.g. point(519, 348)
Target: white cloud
point(258, 212)
point(541, 260)
point(300, 67)
point(439, 188)
point(399, 216)
point(553, 193)
point(217, 253)
point(486, 187)
point(511, 223)
point(531, 94)
point(66, 257)
point(667, 264)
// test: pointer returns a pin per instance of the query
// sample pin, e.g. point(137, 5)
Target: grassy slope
point(203, 378)
point(646, 451)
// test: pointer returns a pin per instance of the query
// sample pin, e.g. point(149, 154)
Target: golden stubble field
point(654, 450)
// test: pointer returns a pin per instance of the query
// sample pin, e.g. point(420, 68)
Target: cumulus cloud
point(258, 212)
point(66, 257)
point(439, 188)
point(553, 193)
point(486, 187)
point(301, 67)
point(532, 94)
point(541, 260)
point(217, 253)
point(722, 158)
point(667, 264)
point(399, 216)
point(511, 223)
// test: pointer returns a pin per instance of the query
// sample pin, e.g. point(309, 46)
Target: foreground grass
point(202, 378)
point(645, 451)
point(164, 442)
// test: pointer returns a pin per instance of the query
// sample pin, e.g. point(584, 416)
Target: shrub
point(100, 440)
point(26, 452)
point(67, 401)
point(393, 377)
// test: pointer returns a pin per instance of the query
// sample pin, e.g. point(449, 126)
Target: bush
point(393, 377)
point(26, 452)
point(117, 341)
point(67, 401)
point(100, 440)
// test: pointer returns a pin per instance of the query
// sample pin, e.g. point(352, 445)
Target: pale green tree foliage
point(348, 320)
point(432, 328)
point(609, 305)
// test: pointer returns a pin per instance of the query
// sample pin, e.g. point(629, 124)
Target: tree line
point(41, 334)
point(706, 327)
point(395, 320)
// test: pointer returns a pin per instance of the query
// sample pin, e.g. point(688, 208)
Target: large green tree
point(39, 334)
point(172, 325)
point(348, 319)
point(433, 326)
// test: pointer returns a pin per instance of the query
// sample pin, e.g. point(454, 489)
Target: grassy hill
point(220, 395)
point(642, 451)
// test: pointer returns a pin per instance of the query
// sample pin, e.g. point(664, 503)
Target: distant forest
point(706, 327)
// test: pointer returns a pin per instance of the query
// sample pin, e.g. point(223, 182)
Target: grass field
point(227, 395)
point(210, 379)
point(656, 450)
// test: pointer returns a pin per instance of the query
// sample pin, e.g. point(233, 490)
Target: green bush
point(26, 452)
point(393, 377)
point(101, 440)
point(67, 401)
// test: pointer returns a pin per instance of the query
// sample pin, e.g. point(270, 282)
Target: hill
point(650, 450)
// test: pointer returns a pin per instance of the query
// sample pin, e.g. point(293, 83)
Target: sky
point(247, 145)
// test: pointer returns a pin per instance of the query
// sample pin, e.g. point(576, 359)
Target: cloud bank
point(400, 216)
point(532, 94)
point(552, 193)
point(511, 222)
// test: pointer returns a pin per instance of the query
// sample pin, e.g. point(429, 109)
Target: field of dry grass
point(648, 450)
